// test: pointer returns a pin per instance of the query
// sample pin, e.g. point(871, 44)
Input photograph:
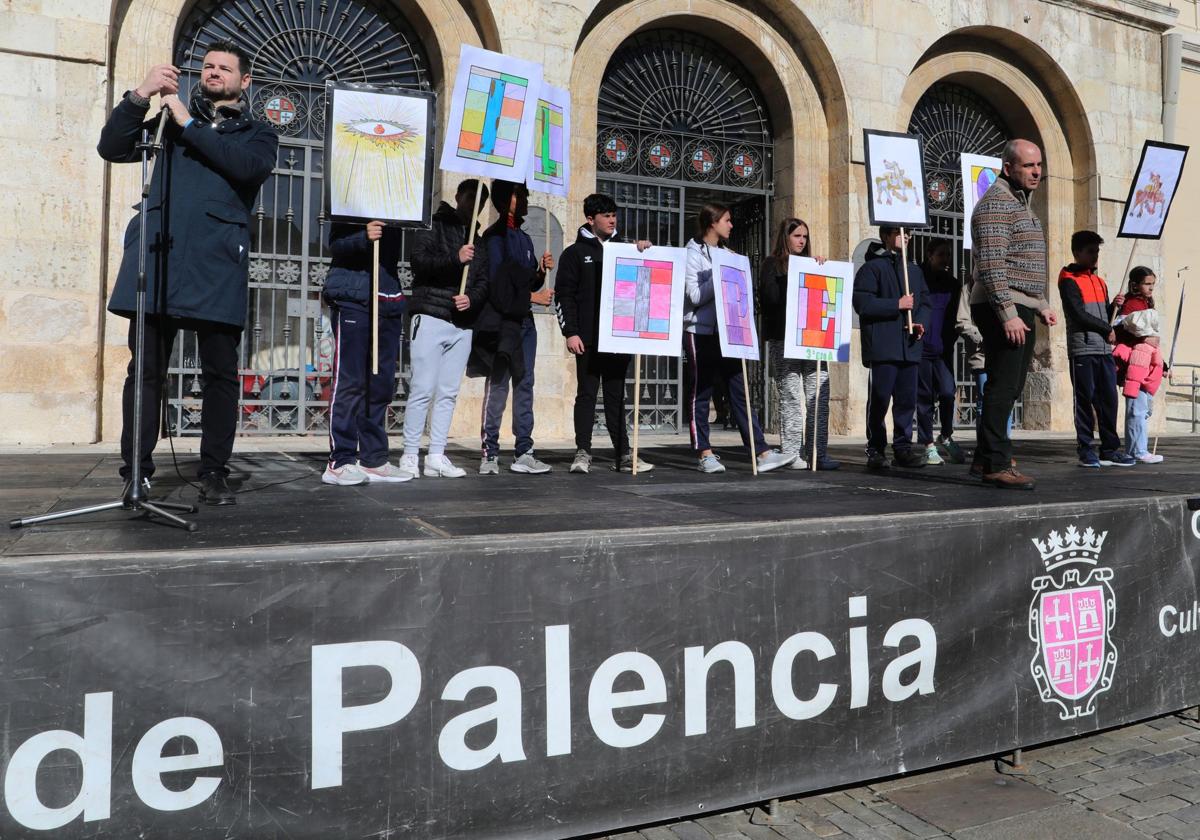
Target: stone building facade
point(1084, 78)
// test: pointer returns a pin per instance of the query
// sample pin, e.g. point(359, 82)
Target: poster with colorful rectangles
point(549, 165)
point(490, 132)
point(1152, 190)
point(733, 297)
point(819, 315)
point(979, 172)
point(641, 300)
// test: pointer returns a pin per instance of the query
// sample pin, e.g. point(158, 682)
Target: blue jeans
point(495, 395)
point(1137, 412)
point(980, 383)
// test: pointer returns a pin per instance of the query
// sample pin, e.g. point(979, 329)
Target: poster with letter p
point(895, 179)
point(819, 315)
point(733, 296)
point(1152, 190)
point(641, 300)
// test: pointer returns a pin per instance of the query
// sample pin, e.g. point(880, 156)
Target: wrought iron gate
point(680, 122)
point(286, 350)
point(953, 120)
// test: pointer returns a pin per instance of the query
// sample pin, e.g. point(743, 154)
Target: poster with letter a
point(550, 164)
point(733, 296)
point(819, 312)
point(1152, 190)
point(979, 172)
point(379, 154)
point(490, 132)
point(641, 300)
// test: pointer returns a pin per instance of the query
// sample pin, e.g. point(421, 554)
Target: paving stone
point(1067, 822)
point(658, 833)
point(1164, 760)
point(1112, 774)
point(1149, 792)
point(690, 831)
point(1188, 814)
point(1123, 759)
point(1163, 774)
point(796, 832)
point(1072, 771)
point(1110, 803)
point(821, 827)
point(822, 806)
point(1064, 755)
point(1108, 789)
point(853, 826)
point(1166, 823)
point(1154, 807)
point(1065, 785)
point(913, 824)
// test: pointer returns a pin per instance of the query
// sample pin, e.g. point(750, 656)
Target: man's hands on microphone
point(179, 112)
point(162, 79)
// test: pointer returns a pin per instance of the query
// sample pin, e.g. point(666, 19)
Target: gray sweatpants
point(802, 400)
point(439, 352)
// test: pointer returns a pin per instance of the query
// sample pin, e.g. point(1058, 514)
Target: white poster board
point(641, 300)
point(733, 297)
point(1152, 190)
point(492, 112)
point(820, 312)
point(895, 179)
point(979, 172)
point(550, 163)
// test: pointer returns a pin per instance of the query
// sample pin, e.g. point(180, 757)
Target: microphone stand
point(134, 496)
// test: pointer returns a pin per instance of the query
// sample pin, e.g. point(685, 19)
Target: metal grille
point(953, 120)
point(680, 123)
point(287, 349)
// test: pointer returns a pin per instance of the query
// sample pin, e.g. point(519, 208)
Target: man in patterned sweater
point(1010, 265)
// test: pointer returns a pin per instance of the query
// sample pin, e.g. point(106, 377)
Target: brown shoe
point(1009, 479)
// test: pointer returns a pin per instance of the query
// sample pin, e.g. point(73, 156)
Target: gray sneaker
point(626, 465)
point(710, 464)
point(527, 463)
point(775, 459)
point(582, 462)
point(489, 465)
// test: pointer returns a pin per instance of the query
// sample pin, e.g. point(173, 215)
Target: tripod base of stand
point(160, 509)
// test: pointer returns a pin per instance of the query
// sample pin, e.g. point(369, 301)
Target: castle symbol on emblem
point(1071, 620)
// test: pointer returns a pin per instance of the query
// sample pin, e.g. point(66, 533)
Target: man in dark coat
point(889, 349)
point(213, 161)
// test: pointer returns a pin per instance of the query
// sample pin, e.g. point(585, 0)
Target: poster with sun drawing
point(819, 315)
point(549, 165)
point(733, 297)
point(641, 300)
point(379, 155)
point(979, 172)
point(1152, 190)
point(490, 132)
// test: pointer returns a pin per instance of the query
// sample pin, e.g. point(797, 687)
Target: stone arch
point(1038, 101)
point(811, 149)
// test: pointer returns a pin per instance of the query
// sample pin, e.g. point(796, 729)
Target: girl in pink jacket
point(1140, 371)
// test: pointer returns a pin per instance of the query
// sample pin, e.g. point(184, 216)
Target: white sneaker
point(439, 466)
point(527, 463)
point(799, 464)
point(582, 462)
point(710, 464)
point(626, 465)
point(347, 475)
point(386, 473)
point(932, 457)
point(1149, 458)
point(411, 464)
point(489, 465)
point(775, 459)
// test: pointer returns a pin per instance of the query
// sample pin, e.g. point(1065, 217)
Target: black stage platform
point(283, 502)
point(551, 656)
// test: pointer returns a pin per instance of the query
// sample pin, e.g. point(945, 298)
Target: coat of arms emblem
point(1071, 619)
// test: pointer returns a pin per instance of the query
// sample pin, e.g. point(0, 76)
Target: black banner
point(557, 685)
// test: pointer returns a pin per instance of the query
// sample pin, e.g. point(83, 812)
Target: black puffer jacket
point(349, 279)
point(437, 273)
point(772, 296)
point(878, 287)
point(577, 286)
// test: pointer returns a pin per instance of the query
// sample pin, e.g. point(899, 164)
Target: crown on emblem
point(1071, 546)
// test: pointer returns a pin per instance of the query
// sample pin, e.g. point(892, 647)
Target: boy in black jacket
point(891, 352)
point(577, 293)
point(440, 332)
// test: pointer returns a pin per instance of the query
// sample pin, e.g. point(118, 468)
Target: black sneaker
point(214, 490)
point(910, 459)
point(876, 460)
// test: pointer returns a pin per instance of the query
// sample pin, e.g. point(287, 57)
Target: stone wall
point(1083, 78)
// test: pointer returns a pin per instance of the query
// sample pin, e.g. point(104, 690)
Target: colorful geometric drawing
point(982, 177)
point(819, 310)
point(979, 172)
point(549, 165)
point(491, 124)
point(641, 306)
point(739, 309)
point(817, 305)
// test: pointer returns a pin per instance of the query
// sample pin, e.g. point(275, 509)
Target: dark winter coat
point(513, 274)
point(204, 187)
point(1085, 303)
point(944, 291)
point(577, 287)
point(437, 273)
point(349, 280)
point(878, 287)
point(772, 296)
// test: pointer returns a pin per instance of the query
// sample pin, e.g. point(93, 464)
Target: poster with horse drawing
point(895, 179)
point(1152, 190)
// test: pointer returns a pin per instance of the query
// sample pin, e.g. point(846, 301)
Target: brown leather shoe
point(1009, 479)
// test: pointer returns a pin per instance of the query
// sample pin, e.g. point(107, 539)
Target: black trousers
point(935, 399)
point(1007, 365)
point(218, 396)
point(893, 383)
point(1094, 381)
point(594, 370)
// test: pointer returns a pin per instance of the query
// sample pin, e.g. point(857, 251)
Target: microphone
point(157, 144)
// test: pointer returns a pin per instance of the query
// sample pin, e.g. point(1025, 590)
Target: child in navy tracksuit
point(358, 442)
point(891, 352)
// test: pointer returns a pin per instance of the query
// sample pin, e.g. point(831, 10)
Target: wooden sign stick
point(749, 418)
point(462, 287)
point(1124, 277)
point(907, 292)
point(1166, 385)
point(637, 406)
point(375, 310)
point(816, 416)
